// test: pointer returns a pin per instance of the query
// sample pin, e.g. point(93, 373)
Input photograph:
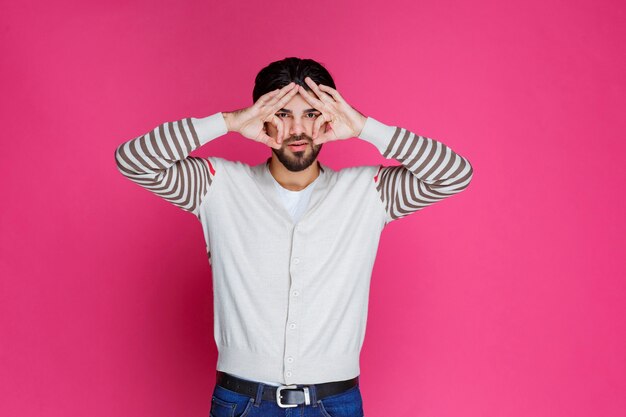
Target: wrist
point(360, 125)
point(229, 120)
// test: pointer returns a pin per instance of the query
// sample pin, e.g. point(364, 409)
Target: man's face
point(298, 118)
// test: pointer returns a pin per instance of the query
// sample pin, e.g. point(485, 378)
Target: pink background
point(508, 299)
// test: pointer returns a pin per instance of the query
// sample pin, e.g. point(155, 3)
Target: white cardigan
point(291, 298)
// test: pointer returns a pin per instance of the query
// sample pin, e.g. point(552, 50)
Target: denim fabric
point(227, 403)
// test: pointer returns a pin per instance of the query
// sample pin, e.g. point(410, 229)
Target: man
point(291, 242)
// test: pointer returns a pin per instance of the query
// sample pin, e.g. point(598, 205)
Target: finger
point(320, 138)
point(322, 96)
point(314, 102)
point(266, 139)
point(327, 110)
point(281, 128)
point(323, 135)
point(282, 92)
point(269, 141)
point(325, 117)
point(273, 121)
point(332, 92)
point(317, 125)
point(267, 96)
point(281, 103)
point(275, 94)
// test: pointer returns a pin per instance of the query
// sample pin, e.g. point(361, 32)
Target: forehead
point(297, 104)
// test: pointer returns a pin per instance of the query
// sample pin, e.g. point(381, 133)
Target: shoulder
point(363, 175)
point(222, 164)
point(362, 172)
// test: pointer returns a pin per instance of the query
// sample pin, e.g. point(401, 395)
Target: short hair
point(280, 73)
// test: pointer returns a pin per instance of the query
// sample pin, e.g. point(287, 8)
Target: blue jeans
point(227, 403)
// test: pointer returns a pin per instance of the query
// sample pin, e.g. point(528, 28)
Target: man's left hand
point(338, 120)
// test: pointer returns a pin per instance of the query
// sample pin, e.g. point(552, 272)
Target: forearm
point(159, 160)
point(166, 144)
point(429, 160)
point(429, 172)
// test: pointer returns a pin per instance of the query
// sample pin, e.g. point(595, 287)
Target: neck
point(293, 181)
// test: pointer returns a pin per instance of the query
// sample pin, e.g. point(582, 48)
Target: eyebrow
point(289, 111)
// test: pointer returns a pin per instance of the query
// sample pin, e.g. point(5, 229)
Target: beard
point(300, 160)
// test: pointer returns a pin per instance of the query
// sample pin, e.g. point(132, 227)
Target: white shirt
point(295, 202)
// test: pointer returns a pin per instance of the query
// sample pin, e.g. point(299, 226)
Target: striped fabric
point(159, 162)
point(429, 172)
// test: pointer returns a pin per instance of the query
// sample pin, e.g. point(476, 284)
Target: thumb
point(269, 141)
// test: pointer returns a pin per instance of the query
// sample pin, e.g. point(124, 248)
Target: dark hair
point(280, 73)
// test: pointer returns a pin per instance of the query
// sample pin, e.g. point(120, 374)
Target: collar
point(265, 180)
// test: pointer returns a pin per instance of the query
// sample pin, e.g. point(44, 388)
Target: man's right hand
point(250, 122)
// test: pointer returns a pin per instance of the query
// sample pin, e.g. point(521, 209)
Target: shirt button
point(288, 373)
point(296, 293)
point(292, 325)
point(290, 359)
point(296, 261)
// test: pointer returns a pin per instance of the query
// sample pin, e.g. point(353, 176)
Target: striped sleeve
point(159, 160)
point(429, 172)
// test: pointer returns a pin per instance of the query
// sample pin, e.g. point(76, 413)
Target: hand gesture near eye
point(338, 120)
point(250, 122)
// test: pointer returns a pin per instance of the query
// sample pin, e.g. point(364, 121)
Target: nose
point(295, 127)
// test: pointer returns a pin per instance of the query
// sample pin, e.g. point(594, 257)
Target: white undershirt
point(295, 202)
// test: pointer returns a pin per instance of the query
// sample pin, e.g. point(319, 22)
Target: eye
point(312, 114)
point(280, 114)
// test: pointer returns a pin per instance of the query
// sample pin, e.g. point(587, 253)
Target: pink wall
point(506, 300)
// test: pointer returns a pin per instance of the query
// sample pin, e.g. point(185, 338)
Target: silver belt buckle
point(307, 399)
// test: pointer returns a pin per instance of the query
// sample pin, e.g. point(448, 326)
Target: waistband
point(285, 395)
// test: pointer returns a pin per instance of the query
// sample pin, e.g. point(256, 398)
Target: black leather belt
point(284, 395)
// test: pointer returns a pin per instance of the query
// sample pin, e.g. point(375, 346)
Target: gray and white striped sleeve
point(429, 172)
point(159, 160)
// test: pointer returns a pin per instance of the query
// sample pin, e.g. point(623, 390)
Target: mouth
point(298, 146)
